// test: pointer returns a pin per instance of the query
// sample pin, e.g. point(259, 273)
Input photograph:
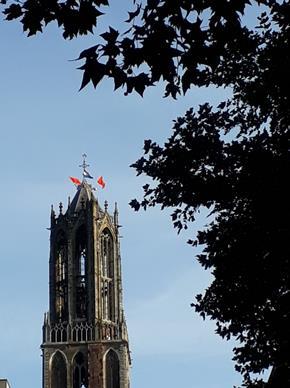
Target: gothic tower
point(85, 342)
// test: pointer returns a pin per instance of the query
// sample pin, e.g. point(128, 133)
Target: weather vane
point(84, 165)
point(86, 174)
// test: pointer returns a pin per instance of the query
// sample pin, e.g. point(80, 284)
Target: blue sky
point(46, 125)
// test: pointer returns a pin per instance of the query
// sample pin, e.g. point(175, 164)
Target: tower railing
point(81, 332)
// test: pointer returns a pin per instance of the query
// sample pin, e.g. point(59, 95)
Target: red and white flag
point(101, 182)
point(76, 181)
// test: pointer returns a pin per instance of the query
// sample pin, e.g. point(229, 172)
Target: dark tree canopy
point(233, 159)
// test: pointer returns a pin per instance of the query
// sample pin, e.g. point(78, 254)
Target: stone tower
point(85, 341)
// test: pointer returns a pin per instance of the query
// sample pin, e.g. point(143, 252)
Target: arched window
point(79, 371)
point(107, 254)
point(58, 371)
point(61, 277)
point(81, 272)
point(112, 370)
point(107, 286)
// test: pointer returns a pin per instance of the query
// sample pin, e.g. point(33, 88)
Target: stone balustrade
point(81, 332)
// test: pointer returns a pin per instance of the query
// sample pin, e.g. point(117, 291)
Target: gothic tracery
point(61, 277)
point(107, 290)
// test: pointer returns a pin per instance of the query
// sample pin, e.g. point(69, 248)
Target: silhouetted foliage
point(244, 182)
point(232, 159)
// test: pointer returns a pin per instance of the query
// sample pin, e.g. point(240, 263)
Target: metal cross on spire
point(84, 165)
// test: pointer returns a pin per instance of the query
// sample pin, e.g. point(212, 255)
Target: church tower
point(85, 341)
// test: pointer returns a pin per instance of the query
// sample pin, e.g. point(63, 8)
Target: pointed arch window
point(79, 371)
point(107, 286)
point(107, 254)
point(112, 370)
point(81, 272)
point(61, 277)
point(58, 371)
point(107, 292)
